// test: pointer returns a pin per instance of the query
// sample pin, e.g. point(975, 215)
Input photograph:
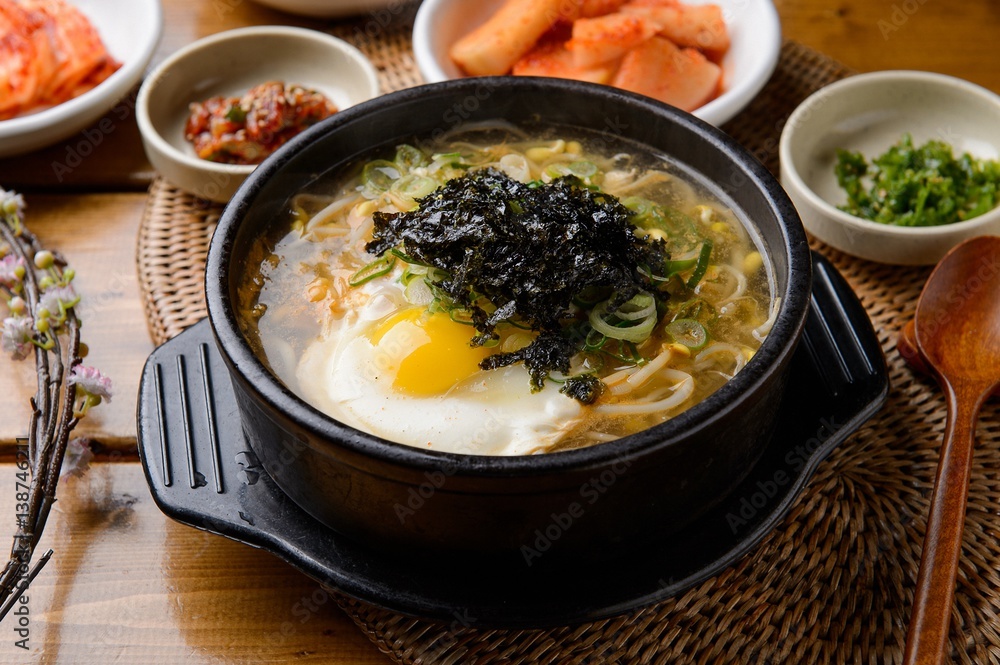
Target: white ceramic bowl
point(754, 28)
point(230, 63)
point(329, 8)
point(130, 29)
point(869, 113)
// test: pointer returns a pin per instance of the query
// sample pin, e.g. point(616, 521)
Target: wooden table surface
point(128, 585)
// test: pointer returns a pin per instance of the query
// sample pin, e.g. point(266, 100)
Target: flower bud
point(44, 259)
point(43, 313)
point(46, 282)
point(42, 325)
point(69, 274)
point(17, 305)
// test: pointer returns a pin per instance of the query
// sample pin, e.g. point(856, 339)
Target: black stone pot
point(586, 502)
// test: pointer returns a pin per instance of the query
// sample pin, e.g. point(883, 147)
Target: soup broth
point(389, 343)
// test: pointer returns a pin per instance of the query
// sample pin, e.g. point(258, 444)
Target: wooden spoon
point(906, 346)
point(958, 337)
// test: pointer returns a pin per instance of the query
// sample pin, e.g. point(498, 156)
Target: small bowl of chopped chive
point(895, 166)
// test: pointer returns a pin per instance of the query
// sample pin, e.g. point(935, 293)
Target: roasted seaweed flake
point(510, 251)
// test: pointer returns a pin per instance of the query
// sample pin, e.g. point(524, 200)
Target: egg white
point(491, 413)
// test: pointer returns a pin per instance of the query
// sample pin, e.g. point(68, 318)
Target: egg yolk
point(428, 352)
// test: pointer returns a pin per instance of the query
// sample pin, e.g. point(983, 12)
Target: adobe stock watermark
point(766, 490)
point(898, 17)
point(22, 550)
point(462, 111)
point(560, 523)
point(379, 21)
point(225, 7)
point(92, 137)
point(442, 646)
point(302, 611)
point(417, 497)
point(962, 292)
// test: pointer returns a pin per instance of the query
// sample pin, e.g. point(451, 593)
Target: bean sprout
point(741, 284)
point(761, 331)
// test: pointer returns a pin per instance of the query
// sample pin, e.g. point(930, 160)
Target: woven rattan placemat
point(832, 584)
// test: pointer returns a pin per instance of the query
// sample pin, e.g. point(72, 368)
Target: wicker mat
point(832, 584)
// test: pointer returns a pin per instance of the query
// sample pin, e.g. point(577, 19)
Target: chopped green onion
point(628, 330)
point(418, 293)
point(595, 340)
point(702, 267)
point(441, 160)
point(412, 272)
point(378, 176)
point(674, 266)
point(557, 170)
point(459, 315)
point(413, 187)
point(640, 206)
point(437, 305)
point(406, 258)
point(376, 268)
point(688, 332)
point(582, 169)
point(639, 307)
point(408, 157)
point(633, 356)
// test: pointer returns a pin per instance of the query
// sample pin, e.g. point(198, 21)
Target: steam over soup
point(502, 294)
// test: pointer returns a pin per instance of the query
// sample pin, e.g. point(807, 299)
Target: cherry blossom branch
point(37, 293)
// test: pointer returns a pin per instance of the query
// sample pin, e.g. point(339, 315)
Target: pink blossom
point(8, 270)
point(11, 203)
point(91, 381)
point(16, 336)
point(57, 299)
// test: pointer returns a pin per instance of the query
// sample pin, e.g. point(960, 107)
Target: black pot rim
point(774, 353)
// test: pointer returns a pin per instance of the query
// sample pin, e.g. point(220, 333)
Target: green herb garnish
point(236, 114)
point(917, 186)
point(377, 268)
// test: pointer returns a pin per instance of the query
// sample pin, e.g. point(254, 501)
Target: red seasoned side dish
point(245, 130)
point(664, 49)
point(49, 53)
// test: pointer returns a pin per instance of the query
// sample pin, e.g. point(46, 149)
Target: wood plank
point(956, 38)
point(97, 235)
point(106, 155)
point(128, 585)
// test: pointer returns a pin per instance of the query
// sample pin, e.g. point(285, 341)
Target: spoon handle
point(927, 637)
